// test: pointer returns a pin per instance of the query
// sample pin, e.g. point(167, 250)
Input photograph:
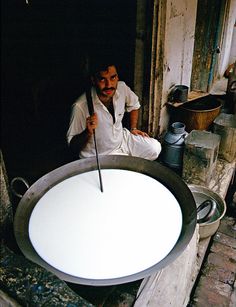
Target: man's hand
point(139, 132)
point(79, 141)
point(91, 123)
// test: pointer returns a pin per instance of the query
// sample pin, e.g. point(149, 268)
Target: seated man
point(111, 98)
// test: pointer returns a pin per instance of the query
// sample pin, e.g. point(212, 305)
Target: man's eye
point(113, 77)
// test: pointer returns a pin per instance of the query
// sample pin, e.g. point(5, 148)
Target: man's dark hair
point(100, 62)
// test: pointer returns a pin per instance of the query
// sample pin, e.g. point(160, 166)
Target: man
point(111, 98)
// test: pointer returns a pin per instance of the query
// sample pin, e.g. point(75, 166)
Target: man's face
point(106, 83)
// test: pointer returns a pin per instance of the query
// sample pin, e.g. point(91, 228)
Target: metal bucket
point(200, 195)
point(198, 114)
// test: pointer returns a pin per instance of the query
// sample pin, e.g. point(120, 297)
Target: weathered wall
point(180, 21)
point(232, 57)
point(178, 46)
point(228, 50)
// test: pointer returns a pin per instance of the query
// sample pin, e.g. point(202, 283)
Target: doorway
point(44, 48)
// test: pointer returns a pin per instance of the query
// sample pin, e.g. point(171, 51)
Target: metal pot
point(155, 170)
point(179, 93)
point(209, 225)
point(200, 113)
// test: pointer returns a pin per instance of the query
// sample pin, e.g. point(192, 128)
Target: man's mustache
point(108, 88)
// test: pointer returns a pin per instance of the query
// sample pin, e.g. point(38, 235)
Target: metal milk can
point(173, 146)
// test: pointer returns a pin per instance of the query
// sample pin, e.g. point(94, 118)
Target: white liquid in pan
point(128, 228)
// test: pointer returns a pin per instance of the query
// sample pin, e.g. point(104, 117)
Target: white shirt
point(109, 135)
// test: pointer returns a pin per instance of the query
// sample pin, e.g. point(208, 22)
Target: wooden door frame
point(148, 70)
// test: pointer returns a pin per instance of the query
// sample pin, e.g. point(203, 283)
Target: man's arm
point(79, 141)
point(134, 122)
point(134, 119)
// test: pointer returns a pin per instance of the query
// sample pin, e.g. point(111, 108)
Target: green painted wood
point(209, 24)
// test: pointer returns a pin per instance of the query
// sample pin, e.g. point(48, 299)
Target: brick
point(225, 239)
point(225, 250)
point(212, 293)
point(219, 274)
point(226, 226)
point(221, 262)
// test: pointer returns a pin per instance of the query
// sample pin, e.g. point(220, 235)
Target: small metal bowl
point(200, 195)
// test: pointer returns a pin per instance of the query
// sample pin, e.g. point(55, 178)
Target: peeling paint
point(174, 11)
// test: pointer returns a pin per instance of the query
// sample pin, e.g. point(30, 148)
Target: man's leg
point(139, 146)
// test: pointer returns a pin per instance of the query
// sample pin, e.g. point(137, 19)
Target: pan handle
point(20, 179)
point(212, 207)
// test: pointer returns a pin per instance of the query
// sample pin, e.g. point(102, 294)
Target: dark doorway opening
point(44, 52)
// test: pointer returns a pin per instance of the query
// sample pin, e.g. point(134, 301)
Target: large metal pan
point(158, 172)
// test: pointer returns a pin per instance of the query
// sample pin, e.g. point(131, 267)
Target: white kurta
point(111, 137)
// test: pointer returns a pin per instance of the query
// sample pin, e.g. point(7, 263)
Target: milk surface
point(128, 228)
